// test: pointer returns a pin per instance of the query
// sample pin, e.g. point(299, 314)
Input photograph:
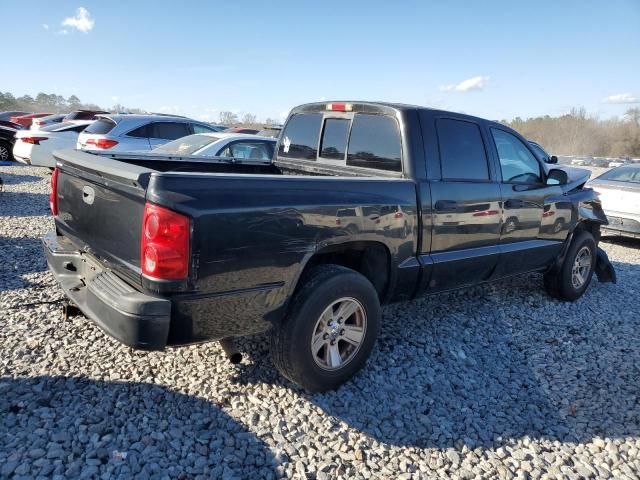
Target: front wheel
point(571, 280)
point(330, 330)
point(5, 152)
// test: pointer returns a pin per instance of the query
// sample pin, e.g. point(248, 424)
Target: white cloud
point(82, 21)
point(623, 98)
point(473, 83)
point(115, 98)
point(64, 31)
point(45, 26)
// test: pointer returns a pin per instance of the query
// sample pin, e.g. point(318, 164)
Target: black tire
point(5, 152)
point(558, 225)
point(291, 348)
point(511, 225)
point(559, 282)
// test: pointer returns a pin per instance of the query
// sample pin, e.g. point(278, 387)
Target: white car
point(232, 145)
point(35, 147)
point(42, 122)
point(619, 192)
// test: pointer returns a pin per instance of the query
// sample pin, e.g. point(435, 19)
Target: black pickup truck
point(364, 204)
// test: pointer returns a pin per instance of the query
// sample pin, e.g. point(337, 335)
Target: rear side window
point(170, 130)
point(140, 132)
point(300, 137)
point(375, 143)
point(462, 153)
point(101, 126)
point(334, 138)
point(198, 128)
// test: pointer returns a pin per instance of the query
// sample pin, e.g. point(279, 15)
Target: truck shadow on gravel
point(497, 363)
point(76, 426)
point(20, 256)
point(23, 204)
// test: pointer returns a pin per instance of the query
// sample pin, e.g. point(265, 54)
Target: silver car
point(119, 133)
point(619, 192)
point(230, 145)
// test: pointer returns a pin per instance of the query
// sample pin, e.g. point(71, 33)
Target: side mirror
point(557, 177)
point(552, 159)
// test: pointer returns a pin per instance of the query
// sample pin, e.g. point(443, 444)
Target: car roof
point(139, 116)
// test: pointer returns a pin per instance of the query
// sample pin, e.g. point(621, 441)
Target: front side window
point(334, 138)
point(462, 152)
point(540, 152)
point(375, 143)
point(300, 137)
point(170, 130)
point(517, 163)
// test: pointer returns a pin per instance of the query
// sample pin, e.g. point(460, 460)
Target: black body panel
point(256, 228)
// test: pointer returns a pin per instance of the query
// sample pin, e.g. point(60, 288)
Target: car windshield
point(187, 145)
point(629, 174)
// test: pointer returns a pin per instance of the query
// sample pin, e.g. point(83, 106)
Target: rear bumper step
point(134, 318)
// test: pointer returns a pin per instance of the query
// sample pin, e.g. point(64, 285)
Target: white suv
point(137, 132)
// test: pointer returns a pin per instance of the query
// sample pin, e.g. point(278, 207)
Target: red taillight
point(104, 143)
point(164, 248)
point(53, 196)
point(339, 107)
point(486, 213)
point(33, 140)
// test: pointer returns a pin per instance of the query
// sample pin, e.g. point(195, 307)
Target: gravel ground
point(498, 381)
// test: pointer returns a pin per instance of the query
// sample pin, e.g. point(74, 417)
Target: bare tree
point(228, 118)
point(249, 119)
point(271, 121)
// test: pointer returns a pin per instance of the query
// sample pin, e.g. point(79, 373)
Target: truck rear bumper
point(134, 318)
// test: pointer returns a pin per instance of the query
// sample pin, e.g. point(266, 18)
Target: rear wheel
point(572, 279)
point(5, 152)
point(330, 329)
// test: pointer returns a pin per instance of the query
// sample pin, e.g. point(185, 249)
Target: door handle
point(446, 205)
point(514, 203)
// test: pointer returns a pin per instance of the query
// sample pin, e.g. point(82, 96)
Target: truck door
point(465, 202)
point(535, 217)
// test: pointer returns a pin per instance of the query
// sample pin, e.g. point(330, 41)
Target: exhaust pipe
point(230, 350)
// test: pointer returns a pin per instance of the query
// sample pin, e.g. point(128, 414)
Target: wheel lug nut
point(333, 342)
point(325, 336)
point(342, 332)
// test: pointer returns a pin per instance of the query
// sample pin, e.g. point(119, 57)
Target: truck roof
point(372, 106)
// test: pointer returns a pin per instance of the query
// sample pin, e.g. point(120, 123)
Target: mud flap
point(604, 270)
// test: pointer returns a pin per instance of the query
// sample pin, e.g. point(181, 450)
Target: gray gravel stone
point(498, 381)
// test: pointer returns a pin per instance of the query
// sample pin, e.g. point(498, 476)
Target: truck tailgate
point(100, 206)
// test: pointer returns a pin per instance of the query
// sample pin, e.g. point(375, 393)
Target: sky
point(495, 59)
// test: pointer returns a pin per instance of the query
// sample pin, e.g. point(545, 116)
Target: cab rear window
point(360, 140)
point(375, 143)
point(300, 137)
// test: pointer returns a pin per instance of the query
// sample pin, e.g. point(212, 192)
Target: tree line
point(575, 133)
point(51, 102)
point(578, 133)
